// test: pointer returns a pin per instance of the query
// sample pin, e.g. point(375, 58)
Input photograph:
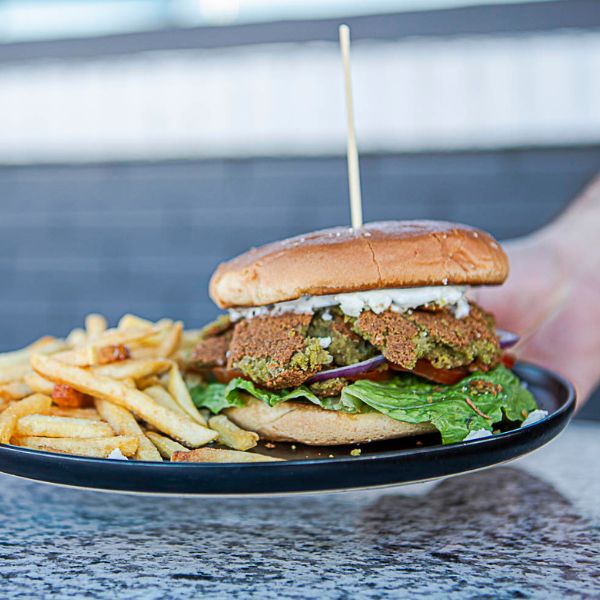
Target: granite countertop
point(527, 530)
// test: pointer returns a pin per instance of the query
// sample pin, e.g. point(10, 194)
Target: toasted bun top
point(387, 254)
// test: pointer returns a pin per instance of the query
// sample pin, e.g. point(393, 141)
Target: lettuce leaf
point(479, 401)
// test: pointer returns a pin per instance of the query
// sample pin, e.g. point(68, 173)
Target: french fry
point(77, 337)
point(193, 379)
point(143, 406)
point(146, 382)
point(95, 326)
point(215, 455)
point(98, 447)
point(231, 435)
point(89, 354)
point(171, 340)
point(178, 389)
point(61, 427)
point(81, 356)
point(136, 369)
point(134, 322)
point(166, 446)
point(155, 336)
point(38, 403)
point(45, 345)
point(191, 338)
point(14, 372)
point(124, 423)
point(15, 390)
point(158, 393)
point(75, 413)
point(39, 384)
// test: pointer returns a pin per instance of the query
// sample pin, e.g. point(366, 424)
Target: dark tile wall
point(146, 237)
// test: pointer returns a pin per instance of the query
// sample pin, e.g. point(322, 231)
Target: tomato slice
point(425, 369)
point(379, 374)
point(508, 360)
point(223, 375)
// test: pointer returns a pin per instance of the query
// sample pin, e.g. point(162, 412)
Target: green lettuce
point(479, 401)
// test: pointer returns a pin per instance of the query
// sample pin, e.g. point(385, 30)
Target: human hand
point(552, 296)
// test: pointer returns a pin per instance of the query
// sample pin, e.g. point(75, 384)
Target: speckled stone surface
point(526, 530)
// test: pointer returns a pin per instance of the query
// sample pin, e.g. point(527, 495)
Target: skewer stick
point(353, 168)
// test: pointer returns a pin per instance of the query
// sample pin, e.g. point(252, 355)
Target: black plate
point(310, 469)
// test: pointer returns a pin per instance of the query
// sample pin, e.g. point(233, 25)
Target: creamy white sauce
point(116, 454)
point(353, 303)
point(534, 416)
point(325, 342)
point(477, 435)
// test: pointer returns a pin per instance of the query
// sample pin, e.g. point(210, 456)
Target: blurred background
point(143, 141)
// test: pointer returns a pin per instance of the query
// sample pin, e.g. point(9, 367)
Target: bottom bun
point(309, 424)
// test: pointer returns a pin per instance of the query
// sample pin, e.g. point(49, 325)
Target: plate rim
point(567, 407)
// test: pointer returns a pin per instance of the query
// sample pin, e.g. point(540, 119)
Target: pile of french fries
point(115, 393)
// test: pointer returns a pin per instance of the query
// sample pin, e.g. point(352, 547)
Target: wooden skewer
point(353, 167)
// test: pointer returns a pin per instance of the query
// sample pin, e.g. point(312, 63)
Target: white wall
point(419, 94)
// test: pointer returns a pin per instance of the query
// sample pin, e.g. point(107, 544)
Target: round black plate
point(310, 469)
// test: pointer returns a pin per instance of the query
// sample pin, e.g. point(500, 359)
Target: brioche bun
point(309, 424)
point(388, 254)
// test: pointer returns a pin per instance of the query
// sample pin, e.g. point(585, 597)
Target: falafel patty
point(276, 351)
point(284, 351)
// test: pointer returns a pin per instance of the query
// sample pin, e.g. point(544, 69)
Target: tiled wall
point(145, 237)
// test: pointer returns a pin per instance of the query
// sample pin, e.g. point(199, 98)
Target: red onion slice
point(507, 339)
point(349, 370)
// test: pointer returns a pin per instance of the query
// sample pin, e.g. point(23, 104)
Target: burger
point(347, 336)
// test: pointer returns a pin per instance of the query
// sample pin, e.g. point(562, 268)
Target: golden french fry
point(129, 382)
point(135, 369)
point(94, 447)
point(221, 456)
point(95, 326)
point(90, 353)
point(191, 338)
point(15, 390)
point(143, 406)
point(82, 356)
point(146, 382)
point(14, 372)
point(38, 403)
point(193, 379)
point(3, 404)
point(45, 345)
point(75, 413)
point(179, 391)
point(124, 423)
point(77, 337)
point(134, 322)
point(166, 446)
point(158, 393)
point(39, 384)
point(61, 427)
point(231, 435)
point(171, 340)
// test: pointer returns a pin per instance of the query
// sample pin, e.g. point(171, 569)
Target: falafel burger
point(349, 336)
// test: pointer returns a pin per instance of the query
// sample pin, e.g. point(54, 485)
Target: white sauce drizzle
point(353, 303)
